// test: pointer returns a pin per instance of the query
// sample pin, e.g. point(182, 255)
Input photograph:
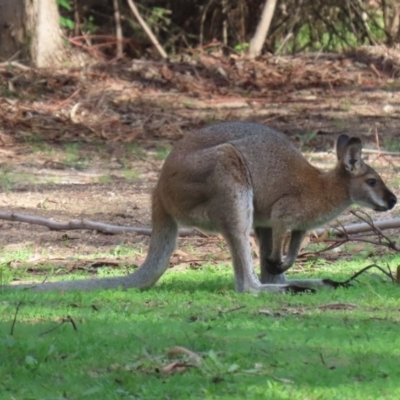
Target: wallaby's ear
point(351, 157)
point(340, 146)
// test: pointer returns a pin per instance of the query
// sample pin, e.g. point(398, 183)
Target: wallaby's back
point(273, 164)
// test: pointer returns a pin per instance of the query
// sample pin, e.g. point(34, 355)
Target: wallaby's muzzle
point(391, 202)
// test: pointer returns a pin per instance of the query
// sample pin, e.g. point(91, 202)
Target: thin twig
point(146, 28)
point(15, 64)
point(322, 359)
point(118, 28)
point(377, 140)
point(203, 18)
point(77, 23)
point(15, 318)
point(69, 319)
point(232, 310)
point(354, 276)
point(368, 220)
point(63, 321)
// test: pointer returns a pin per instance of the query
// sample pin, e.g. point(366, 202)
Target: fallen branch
point(52, 224)
point(55, 225)
point(361, 227)
point(382, 152)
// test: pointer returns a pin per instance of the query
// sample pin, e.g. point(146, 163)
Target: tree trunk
point(257, 42)
point(29, 30)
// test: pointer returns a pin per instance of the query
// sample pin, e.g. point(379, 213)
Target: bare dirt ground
point(88, 143)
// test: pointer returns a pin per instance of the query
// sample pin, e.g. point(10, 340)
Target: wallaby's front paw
point(296, 289)
point(336, 284)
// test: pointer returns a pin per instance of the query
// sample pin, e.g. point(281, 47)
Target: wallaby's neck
point(336, 187)
point(336, 196)
point(326, 198)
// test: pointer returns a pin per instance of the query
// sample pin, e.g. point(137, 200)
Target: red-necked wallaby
point(233, 176)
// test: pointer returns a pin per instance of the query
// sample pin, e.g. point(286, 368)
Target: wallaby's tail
point(162, 244)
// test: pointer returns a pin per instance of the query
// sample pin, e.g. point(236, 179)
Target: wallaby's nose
point(392, 201)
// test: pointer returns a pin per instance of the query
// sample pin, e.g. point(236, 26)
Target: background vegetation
point(297, 25)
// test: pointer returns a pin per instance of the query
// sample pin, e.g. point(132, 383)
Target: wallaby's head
point(366, 187)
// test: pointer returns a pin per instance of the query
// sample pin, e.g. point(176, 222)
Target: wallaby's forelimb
point(264, 237)
point(271, 250)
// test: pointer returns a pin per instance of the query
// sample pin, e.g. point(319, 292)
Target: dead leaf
point(323, 237)
point(192, 356)
point(305, 242)
point(180, 257)
point(180, 253)
point(293, 310)
point(266, 312)
point(166, 73)
point(283, 380)
point(174, 367)
point(222, 257)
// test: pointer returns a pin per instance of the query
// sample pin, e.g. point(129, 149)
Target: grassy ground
point(341, 344)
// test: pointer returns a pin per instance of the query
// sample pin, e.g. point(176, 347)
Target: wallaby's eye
point(371, 182)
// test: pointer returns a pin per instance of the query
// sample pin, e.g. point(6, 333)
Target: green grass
point(162, 152)
point(299, 351)
point(131, 175)
point(392, 144)
point(134, 149)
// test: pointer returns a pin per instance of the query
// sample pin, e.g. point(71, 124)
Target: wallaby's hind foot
point(335, 284)
point(294, 289)
point(283, 285)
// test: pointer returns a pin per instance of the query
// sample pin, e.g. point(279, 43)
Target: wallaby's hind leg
point(235, 224)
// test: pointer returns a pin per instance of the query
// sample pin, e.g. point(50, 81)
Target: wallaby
point(232, 176)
